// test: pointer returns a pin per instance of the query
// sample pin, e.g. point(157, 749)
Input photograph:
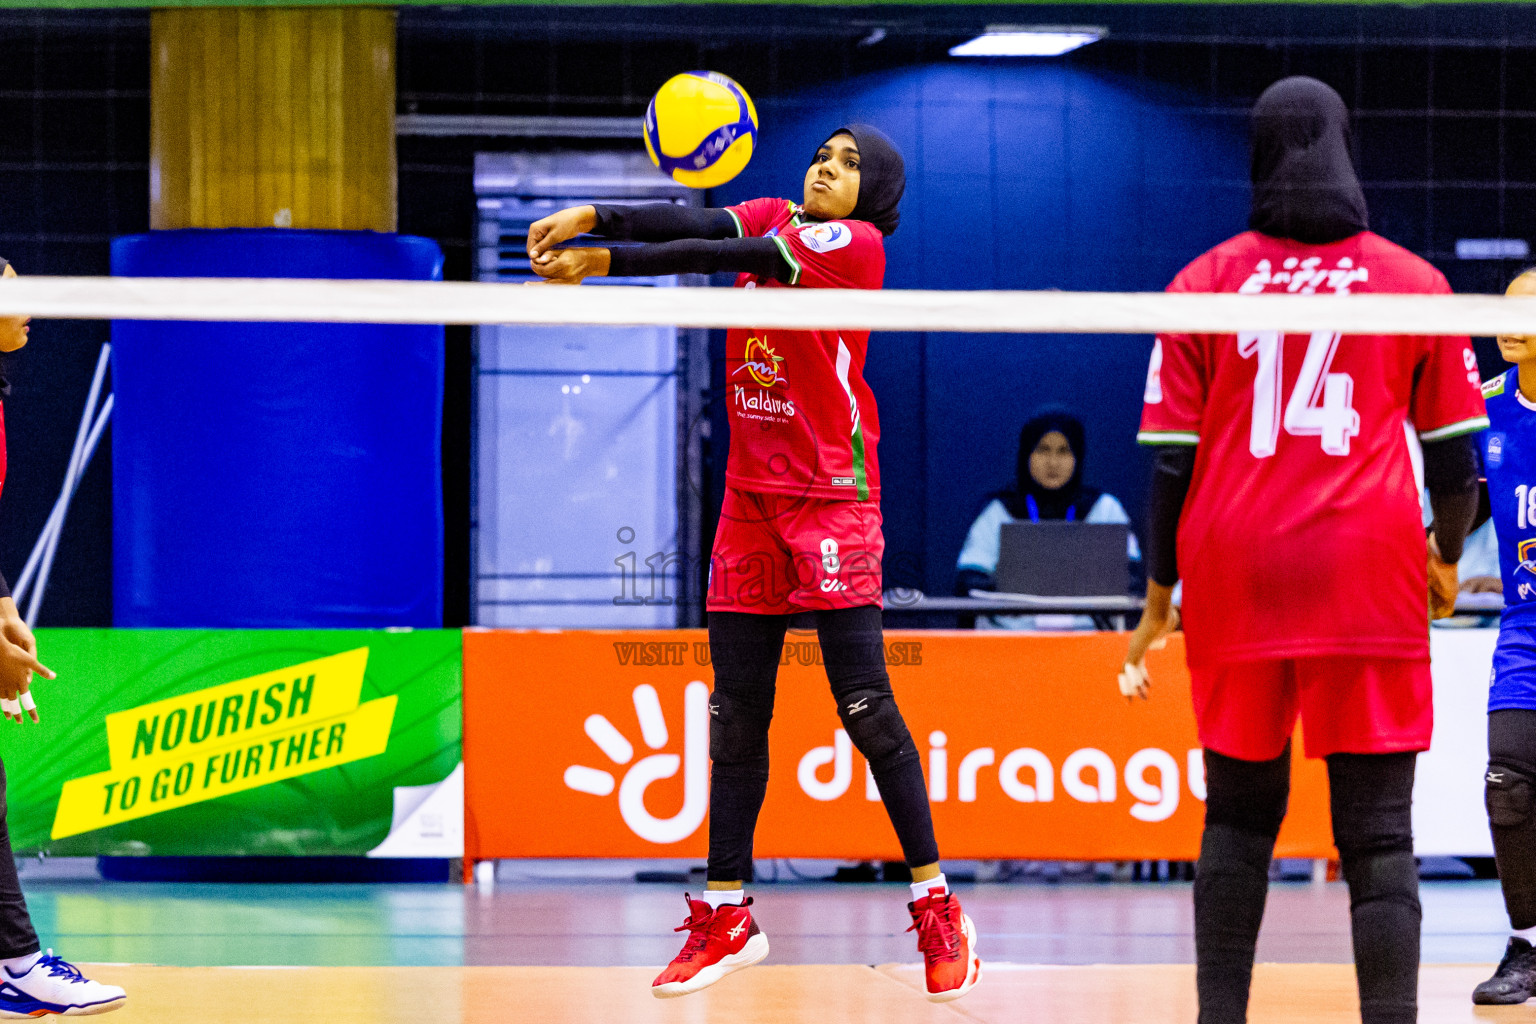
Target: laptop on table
point(1062, 559)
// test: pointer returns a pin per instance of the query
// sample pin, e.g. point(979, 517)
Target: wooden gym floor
point(833, 994)
point(539, 950)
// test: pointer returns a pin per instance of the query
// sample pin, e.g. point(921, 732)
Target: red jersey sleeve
point(834, 254)
point(1448, 395)
point(1447, 390)
point(1174, 402)
point(755, 216)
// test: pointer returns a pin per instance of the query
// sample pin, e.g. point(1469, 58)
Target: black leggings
point(16, 935)
point(1371, 805)
point(1510, 791)
point(745, 650)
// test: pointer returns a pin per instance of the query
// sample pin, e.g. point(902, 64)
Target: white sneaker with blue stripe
point(54, 986)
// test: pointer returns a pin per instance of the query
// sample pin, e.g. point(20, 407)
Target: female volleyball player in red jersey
point(32, 983)
point(800, 527)
point(1284, 494)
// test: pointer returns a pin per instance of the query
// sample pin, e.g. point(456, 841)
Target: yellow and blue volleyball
point(700, 129)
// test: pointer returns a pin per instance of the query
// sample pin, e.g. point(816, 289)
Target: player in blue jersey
point(1509, 463)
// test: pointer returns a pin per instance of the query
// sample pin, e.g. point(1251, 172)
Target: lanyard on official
point(1034, 510)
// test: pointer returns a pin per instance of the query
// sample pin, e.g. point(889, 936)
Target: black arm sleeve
point(5, 588)
point(1450, 476)
point(1484, 506)
point(760, 256)
point(662, 222)
point(1172, 470)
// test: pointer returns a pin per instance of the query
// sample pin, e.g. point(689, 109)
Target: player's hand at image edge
point(18, 660)
point(1443, 583)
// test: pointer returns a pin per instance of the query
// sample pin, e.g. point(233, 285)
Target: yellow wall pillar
point(270, 117)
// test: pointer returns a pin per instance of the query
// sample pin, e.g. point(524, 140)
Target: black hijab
point(1304, 185)
point(1027, 499)
point(882, 177)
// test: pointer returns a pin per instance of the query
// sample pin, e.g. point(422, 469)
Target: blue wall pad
point(277, 475)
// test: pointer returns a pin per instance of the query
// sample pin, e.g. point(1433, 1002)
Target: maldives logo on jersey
point(761, 364)
point(825, 237)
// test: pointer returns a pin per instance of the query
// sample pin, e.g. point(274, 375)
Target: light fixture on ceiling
point(1029, 41)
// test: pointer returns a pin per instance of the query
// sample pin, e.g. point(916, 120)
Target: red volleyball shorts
point(776, 554)
point(1248, 710)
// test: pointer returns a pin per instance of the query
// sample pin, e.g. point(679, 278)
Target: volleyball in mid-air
point(701, 128)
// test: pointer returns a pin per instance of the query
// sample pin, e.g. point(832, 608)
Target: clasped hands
point(565, 266)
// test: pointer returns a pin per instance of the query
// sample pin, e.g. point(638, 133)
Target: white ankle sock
point(718, 898)
point(1528, 934)
point(920, 889)
point(19, 965)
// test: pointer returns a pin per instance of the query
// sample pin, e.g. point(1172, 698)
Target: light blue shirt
point(1480, 555)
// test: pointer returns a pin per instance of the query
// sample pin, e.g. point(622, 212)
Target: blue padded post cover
point(277, 475)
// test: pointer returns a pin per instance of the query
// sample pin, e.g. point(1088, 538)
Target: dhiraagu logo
point(227, 739)
point(640, 774)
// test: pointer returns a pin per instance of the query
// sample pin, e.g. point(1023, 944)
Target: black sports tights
point(1510, 790)
point(16, 935)
point(745, 650)
point(1371, 798)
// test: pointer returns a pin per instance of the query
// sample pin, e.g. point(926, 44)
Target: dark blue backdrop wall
point(1019, 176)
point(1115, 164)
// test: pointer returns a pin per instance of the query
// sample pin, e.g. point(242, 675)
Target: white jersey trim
point(1470, 426)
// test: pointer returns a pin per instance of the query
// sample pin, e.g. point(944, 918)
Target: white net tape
point(422, 302)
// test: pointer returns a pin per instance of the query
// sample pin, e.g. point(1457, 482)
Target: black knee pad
point(1250, 796)
point(738, 728)
point(1509, 790)
point(875, 725)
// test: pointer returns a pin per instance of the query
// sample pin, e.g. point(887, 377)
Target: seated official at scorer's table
point(1049, 486)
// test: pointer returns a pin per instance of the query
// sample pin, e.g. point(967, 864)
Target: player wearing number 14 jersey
point(1302, 535)
point(1284, 495)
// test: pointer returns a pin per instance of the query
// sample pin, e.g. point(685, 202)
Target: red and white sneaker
point(719, 941)
point(947, 939)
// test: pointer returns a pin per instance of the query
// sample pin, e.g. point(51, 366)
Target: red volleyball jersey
point(803, 420)
point(1302, 533)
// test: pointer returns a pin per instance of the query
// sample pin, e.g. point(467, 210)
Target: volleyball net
point(291, 300)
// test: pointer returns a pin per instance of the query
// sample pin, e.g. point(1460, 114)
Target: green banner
point(243, 742)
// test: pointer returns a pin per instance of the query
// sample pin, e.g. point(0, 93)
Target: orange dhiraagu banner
point(596, 744)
